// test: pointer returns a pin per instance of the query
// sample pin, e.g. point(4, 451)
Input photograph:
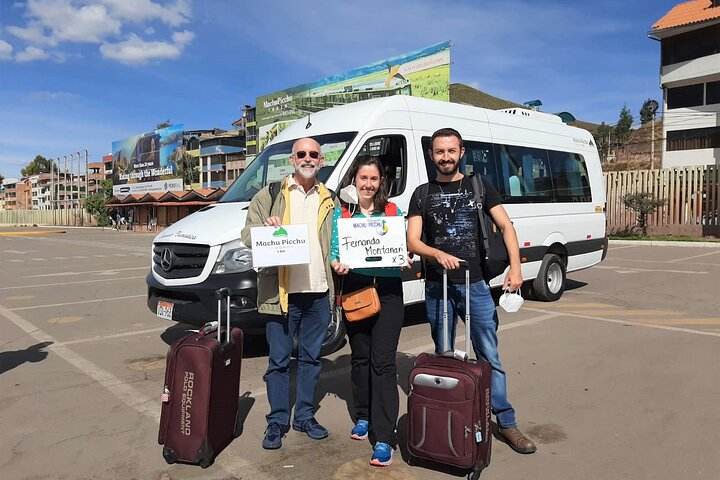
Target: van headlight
point(234, 257)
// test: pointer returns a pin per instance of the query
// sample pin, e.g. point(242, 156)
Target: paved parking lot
point(618, 379)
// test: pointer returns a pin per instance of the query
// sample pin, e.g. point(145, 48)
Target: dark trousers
point(374, 343)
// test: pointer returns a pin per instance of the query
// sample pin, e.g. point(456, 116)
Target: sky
point(80, 74)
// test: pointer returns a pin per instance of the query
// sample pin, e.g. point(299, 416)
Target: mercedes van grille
point(178, 260)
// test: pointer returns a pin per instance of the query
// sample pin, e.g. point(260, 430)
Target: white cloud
point(5, 50)
point(139, 11)
point(46, 95)
point(136, 51)
point(31, 54)
point(69, 22)
point(51, 23)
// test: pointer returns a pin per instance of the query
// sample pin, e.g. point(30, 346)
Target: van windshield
point(273, 164)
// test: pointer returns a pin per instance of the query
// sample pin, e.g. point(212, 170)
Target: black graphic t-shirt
point(450, 223)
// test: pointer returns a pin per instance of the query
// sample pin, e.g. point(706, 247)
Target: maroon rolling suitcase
point(200, 399)
point(449, 403)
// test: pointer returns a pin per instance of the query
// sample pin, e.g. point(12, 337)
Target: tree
point(603, 135)
point(1, 178)
point(95, 204)
point(164, 124)
point(39, 164)
point(647, 112)
point(642, 203)
point(623, 129)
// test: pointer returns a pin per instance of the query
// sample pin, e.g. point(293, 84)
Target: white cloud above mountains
point(114, 25)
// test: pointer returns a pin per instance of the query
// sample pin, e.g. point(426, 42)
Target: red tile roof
point(686, 13)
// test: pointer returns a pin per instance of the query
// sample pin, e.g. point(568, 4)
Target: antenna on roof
point(308, 125)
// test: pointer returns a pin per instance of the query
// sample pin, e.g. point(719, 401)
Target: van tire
point(550, 282)
point(335, 336)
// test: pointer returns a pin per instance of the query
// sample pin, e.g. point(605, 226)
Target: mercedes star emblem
point(166, 260)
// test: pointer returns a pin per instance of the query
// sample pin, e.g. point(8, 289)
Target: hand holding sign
point(372, 242)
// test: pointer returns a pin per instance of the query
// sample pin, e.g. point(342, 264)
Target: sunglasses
point(312, 153)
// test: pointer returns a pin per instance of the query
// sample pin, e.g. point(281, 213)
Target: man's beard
point(305, 173)
point(456, 167)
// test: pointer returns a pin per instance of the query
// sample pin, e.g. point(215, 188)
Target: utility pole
point(65, 207)
point(652, 142)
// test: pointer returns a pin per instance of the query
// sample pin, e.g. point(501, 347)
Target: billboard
point(148, 162)
point(422, 73)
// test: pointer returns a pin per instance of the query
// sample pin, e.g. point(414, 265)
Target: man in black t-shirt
point(449, 220)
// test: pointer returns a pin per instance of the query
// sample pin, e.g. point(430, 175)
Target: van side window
point(525, 175)
point(570, 177)
point(392, 151)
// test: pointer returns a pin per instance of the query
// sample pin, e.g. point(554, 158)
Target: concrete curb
point(24, 233)
point(666, 243)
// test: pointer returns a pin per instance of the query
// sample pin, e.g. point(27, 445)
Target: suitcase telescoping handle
point(446, 329)
point(220, 294)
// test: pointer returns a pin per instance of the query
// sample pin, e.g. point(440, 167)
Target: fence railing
point(692, 195)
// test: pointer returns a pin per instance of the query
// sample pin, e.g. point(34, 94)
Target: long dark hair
point(381, 196)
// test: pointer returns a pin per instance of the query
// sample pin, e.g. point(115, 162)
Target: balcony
point(696, 68)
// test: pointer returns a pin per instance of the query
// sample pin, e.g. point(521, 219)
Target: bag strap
point(274, 189)
point(479, 190)
point(422, 197)
point(345, 212)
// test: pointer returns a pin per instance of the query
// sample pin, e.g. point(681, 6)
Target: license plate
point(164, 310)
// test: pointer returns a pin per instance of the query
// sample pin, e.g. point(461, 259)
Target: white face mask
point(511, 302)
point(349, 195)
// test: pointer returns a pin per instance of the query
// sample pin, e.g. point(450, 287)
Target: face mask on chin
point(349, 195)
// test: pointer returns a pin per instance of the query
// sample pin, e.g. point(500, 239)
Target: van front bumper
point(196, 304)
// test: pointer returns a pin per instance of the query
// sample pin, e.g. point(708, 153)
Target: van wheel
point(335, 335)
point(550, 282)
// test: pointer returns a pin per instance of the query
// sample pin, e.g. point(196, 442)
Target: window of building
point(693, 139)
point(687, 96)
point(691, 45)
point(712, 93)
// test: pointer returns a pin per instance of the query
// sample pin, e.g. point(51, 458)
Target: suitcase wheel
point(169, 455)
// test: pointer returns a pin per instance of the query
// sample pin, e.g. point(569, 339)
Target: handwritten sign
point(372, 242)
point(284, 245)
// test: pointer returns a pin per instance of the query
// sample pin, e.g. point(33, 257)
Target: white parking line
point(677, 260)
point(635, 270)
point(101, 338)
point(77, 303)
point(91, 272)
point(637, 324)
point(70, 283)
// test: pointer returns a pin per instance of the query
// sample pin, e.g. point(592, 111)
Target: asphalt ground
point(618, 379)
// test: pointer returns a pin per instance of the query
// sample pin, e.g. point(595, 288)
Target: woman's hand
point(339, 268)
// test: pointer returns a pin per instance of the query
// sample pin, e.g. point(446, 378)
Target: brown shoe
point(517, 441)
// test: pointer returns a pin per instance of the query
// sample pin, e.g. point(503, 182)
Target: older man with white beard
point(298, 296)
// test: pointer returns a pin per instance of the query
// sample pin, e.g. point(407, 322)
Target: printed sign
point(284, 245)
point(372, 242)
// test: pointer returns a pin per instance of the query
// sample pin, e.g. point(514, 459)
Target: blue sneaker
point(360, 430)
point(310, 426)
point(382, 455)
point(273, 435)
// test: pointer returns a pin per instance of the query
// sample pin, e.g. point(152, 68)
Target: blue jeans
point(483, 334)
point(308, 317)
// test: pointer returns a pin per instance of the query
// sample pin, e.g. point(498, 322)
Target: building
point(689, 36)
point(17, 194)
point(40, 191)
point(222, 157)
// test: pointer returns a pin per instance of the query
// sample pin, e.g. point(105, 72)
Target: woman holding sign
point(373, 340)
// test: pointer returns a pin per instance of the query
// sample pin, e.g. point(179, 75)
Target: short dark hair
point(447, 132)
point(381, 196)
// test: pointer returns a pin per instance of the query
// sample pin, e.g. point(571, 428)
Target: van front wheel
point(335, 334)
point(550, 282)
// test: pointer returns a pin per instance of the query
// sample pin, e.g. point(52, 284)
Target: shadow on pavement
point(33, 354)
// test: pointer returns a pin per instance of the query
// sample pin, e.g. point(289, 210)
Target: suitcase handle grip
point(220, 294)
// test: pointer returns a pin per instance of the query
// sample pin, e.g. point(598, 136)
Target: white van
point(547, 173)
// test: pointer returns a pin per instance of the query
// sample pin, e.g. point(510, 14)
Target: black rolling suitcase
point(200, 399)
point(449, 403)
